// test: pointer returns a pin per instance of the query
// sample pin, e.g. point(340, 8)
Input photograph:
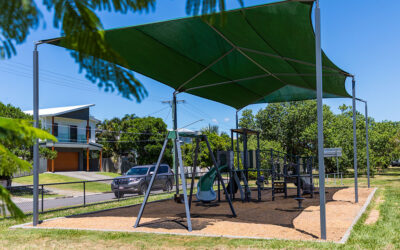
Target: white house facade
point(75, 130)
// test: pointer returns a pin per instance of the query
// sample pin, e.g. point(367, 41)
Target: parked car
point(137, 179)
point(395, 163)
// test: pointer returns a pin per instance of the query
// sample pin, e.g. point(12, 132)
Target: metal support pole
point(185, 198)
point(219, 190)
point(232, 169)
point(272, 175)
point(175, 153)
point(298, 177)
point(318, 62)
point(42, 198)
point(311, 176)
point(36, 145)
point(220, 177)
point(258, 163)
point(355, 141)
point(84, 193)
point(246, 167)
point(337, 164)
point(146, 197)
point(237, 141)
point(367, 142)
point(196, 154)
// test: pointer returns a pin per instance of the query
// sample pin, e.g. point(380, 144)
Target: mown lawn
point(384, 234)
point(47, 178)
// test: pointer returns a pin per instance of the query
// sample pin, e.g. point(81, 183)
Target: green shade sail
point(259, 54)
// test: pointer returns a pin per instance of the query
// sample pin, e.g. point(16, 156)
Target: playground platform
point(279, 219)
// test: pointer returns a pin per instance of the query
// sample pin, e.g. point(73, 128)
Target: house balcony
point(65, 141)
point(66, 138)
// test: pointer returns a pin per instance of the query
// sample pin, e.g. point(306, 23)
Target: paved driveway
point(88, 176)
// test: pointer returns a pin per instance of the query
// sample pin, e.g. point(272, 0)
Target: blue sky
point(361, 37)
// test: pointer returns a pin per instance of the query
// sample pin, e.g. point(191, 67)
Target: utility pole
point(172, 103)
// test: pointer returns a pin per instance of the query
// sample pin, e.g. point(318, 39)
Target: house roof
point(60, 110)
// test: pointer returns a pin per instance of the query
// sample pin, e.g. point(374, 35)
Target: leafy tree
point(16, 140)
point(20, 132)
point(131, 135)
point(24, 151)
point(384, 137)
point(293, 127)
point(247, 119)
point(147, 135)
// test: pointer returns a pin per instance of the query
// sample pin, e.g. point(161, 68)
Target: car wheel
point(143, 189)
point(167, 187)
point(119, 195)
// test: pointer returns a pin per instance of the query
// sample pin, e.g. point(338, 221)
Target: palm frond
point(6, 204)
point(84, 34)
point(21, 131)
point(17, 18)
point(10, 163)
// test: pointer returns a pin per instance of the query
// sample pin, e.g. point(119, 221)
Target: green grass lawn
point(108, 174)
point(384, 234)
point(47, 178)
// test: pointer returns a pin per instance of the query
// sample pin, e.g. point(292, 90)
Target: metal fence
point(66, 195)
point(334, 179)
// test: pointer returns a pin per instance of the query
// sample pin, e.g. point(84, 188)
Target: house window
point(73, 133)
point(55, 129)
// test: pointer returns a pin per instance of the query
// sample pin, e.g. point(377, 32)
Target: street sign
point(332, 152)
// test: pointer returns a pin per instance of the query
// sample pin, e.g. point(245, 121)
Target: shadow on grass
point(27, 191)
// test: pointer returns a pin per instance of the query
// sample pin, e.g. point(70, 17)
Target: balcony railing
point(65, 137)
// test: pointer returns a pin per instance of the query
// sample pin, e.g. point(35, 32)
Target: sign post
point(334, 152)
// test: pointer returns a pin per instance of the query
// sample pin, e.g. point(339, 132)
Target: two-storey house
point(74, 128)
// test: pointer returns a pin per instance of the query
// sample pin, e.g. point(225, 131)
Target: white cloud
point(214, 120)
point(226, 119)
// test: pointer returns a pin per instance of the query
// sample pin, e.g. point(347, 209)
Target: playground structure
point(205, 192)
point(291, 169)
point(257, 58)
point(280, 167)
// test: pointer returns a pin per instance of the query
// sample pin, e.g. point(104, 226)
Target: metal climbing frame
point(244, 173)
point(174, 136)
point(286, 169)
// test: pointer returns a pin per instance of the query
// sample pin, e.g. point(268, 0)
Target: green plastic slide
point(205, 190)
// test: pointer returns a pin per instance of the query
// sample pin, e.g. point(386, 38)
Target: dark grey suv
point(137, 179)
